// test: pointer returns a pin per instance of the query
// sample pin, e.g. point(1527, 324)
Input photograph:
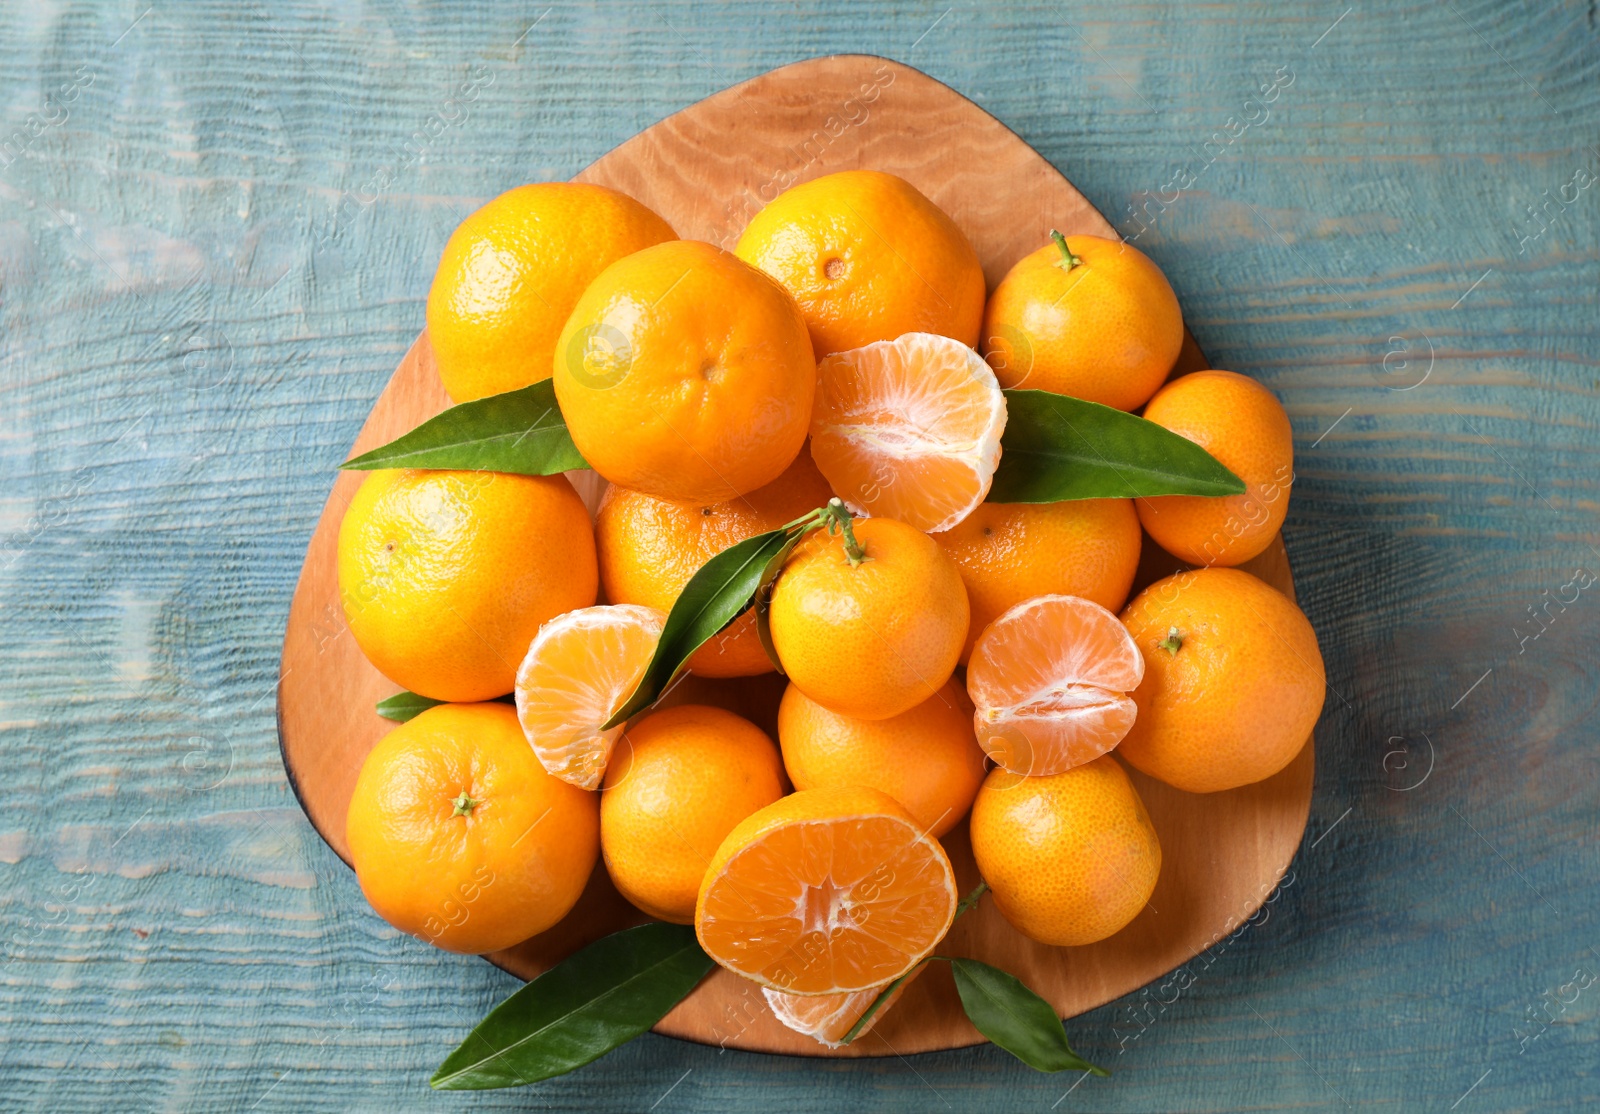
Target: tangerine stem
point(1173, 642)
point(971, 899)
point(807, 521)
point(838, 518)
point(1068, 260)
point(465, 804)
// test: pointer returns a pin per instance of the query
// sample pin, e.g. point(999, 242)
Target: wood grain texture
point(210, 267)
point(707, 169)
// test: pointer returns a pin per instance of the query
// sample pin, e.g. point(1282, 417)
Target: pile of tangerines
point(947, 658)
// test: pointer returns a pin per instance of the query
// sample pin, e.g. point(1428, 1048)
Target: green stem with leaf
point(999, 1006)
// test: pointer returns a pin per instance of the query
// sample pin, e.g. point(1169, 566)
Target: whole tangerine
point(1233, 680)
point(1071, 857)
point(685, 373)
point(459, 837)
point(1239, 422)
point(445, 577)
point(868, 258)
point(927, 758)
point(1084, 316)
point(511, 273)
point(678, 782)
point(869, 622)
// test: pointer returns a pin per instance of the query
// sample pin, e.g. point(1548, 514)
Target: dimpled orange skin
point(511, 273)
point(650, 547)
point(445, 577)
point(677, 784)
point(1238, 699)
point(1010, 552)
point(1108, 330)
point(927, 758)
point(686, 373)
point(1239, 422)
point(875, 640)
point(1071, 857)
point(868, 258)
point(508, 868)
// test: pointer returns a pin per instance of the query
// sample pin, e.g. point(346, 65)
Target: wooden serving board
point(707, 170)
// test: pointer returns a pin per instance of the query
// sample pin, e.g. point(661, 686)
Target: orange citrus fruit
point(1233, 680)
point(875, 638)
point(925, 758)
point(1010, 552)
point(686, 373)
point(1087, 317)
point(868, 258)
point(650, 547)
point(446, 576)
point(679, 781)
point(511, 273)
point(461, 839)
point(1239, 422)
point(579, 670)
point(827, 891)
point(1050, 681)
point(1071, 857)
point(828, 1018)
point(909, 429)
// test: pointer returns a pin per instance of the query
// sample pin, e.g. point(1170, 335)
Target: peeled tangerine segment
point(828, 1018)
point(578, 671)
point(833, 902)
point(909, 429)
point(1050, 680)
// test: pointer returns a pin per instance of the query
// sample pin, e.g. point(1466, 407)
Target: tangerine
point(1071, 857)
point(445, 576)
point(685, 373)
point(868, 258)
point(511, 273)
point(676, 786)
point(1233, 680)
point(869, 622)
point(650, 547)
point(459, 837)
point(1084, 316)
point(1239, 422)
point(925, 758)
point(1010, 552)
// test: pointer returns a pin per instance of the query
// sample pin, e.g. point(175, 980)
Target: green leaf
point(1056, 447)
point(1015, 1018)
point(521, 431)
point(403, 706)
point(763, 597)
point(580, 1009)
point(715, 596)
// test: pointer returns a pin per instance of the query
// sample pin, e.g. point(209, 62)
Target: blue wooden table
point(218, 222)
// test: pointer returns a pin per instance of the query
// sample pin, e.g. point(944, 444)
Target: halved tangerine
point(579, 669)
point(827, 891)
point(909, 429)
point(1051, 680)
